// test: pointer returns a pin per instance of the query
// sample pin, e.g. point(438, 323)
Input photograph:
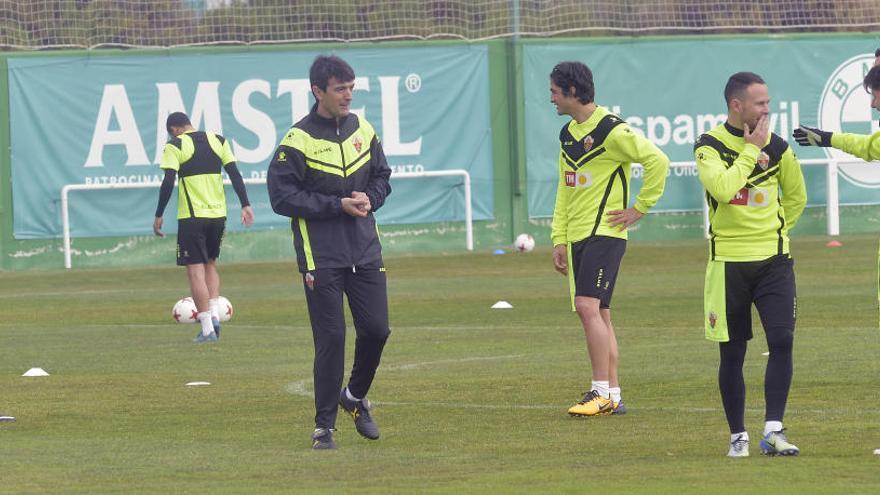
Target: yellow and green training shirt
point(866, 147)
point(755, 195)
point(198, 157)
point(595, 163)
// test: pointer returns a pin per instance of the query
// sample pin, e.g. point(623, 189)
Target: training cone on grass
point(833, 244)
point(502, 305)
point(35, 372)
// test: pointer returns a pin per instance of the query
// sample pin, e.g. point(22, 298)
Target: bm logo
point(845, 106)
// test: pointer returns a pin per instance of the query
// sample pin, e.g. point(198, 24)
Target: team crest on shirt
point(763, 160)
point(358, 143)
point(588, 143)
point(713, 319)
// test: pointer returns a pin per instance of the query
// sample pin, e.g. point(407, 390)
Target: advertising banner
point(101, 120)
point(671, 91)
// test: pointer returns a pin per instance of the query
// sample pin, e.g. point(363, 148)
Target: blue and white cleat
point(216, 324)
point(776, 443)
point(201, 338)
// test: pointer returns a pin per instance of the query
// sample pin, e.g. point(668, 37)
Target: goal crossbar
point(65, 200)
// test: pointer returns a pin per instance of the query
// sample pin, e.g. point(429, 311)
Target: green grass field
point(469, 399)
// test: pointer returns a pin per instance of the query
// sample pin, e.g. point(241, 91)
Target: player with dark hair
point(198, 159)
point(591, 217)
point(329, 175)
point(743, 167)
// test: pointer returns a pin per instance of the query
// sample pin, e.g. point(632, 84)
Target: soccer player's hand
point(247, 216)
point(810, 136)
point(624, 218)
point(759, 135)
point(355, 207)
point(157, 226)
point(560, 259)
point(360, 195)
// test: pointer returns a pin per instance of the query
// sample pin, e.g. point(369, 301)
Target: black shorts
point(595, 262)
point(199, 239)
point(733, 286)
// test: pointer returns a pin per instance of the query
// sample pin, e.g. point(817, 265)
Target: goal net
point(37, 24)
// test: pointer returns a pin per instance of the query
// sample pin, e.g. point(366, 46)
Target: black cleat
point(322, 439)
point(360, 411)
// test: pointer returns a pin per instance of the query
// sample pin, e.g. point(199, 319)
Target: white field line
point(299, 388)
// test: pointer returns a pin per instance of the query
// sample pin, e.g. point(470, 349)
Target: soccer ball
point(185, 311)
point(225, 309)
point(524, 243)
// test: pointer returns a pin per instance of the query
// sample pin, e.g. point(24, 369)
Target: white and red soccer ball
point(225, 309)
point(524, 243)
point(185, 310)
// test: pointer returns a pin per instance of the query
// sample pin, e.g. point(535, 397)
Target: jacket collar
point(733, 130)
point(324, 121)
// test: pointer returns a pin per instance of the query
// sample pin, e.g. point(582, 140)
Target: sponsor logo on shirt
point(751, 197)
point(578, 179)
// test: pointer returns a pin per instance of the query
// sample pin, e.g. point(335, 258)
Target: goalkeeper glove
point(810, 136)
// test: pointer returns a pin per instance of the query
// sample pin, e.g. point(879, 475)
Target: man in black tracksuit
point(328, 175)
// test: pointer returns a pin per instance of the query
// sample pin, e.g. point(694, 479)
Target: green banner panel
point(671, 90)
point(100, 120)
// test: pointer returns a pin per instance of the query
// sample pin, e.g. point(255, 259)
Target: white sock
point(743, 434)
point(772, 426)
point(601, 387)
point(205, 319)
point(215, 308)
point(615, 394)
point(350, 397)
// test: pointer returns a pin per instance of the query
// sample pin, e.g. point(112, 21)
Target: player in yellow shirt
point(864, 146)
point(743, 167)
point(197, 159)
point(591, 218)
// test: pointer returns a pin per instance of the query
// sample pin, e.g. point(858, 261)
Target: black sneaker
point(322, 439)
point(360, 411)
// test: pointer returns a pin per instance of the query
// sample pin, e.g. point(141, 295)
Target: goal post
point(67, 189)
